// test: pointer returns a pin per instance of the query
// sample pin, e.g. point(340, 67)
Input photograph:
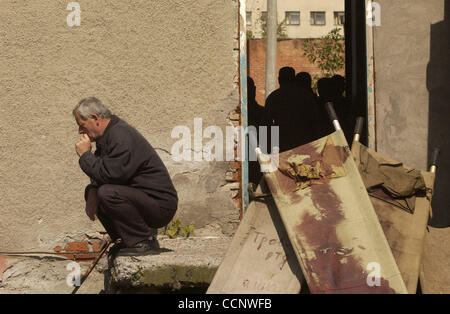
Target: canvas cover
point(330, 220)
point(401, 197)
point(260, 258)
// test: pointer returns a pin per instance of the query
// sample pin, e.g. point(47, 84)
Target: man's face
point(88, 127)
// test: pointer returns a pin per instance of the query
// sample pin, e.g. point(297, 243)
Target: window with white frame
point(318, 18)
point(292, 17)
point(339, 18)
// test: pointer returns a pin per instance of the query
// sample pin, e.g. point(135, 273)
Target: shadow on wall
point(438, 78)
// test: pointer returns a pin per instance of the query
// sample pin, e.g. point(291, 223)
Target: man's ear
point(95, 117)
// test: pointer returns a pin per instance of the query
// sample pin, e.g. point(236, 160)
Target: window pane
point(339, 18)
point(249, 18)
point(293, 18)
point(320, 18)
point(317, 18)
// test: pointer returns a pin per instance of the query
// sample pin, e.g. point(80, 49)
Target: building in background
point(297, 21)
point(298, 18)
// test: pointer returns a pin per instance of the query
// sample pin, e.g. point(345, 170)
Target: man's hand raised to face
point(83, 145)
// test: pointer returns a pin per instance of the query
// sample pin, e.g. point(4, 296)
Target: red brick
point(77, 257)
point(77, 247)
point(97, 246)
point(86, 256)
point(289, 53)
point(68, 256)
point(236, 176)
point(57, 249)
point(236, 165)
point(4, 265)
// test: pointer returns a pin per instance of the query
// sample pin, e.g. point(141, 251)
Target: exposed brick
point(236, 176)
point(289, 53)
point(4, 265)
point(77, 247)
point(97, 246)
point(86, 256)
point(57, 249)
point(82, 256)
point(235, 165)
point(68, 256)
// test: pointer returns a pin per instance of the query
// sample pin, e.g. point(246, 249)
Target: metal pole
point(271, 48)
point(244, 104)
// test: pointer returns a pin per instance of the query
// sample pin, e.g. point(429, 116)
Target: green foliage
point(326, 52)
point(173, 229)
point(187, 230)
point(281, 29)
point(249, 34)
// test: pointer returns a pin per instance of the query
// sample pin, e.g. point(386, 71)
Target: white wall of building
point(305, 7)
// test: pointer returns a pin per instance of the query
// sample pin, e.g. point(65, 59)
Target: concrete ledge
point(185, 265)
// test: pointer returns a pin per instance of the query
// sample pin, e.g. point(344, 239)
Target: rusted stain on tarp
point(333, 268)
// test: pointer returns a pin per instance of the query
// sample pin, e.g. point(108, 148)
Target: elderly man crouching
point(131, 191)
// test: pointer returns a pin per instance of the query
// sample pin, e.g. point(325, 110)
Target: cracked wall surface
point(156, 64)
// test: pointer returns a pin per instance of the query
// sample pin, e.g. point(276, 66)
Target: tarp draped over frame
point(404, 229)
point(390, 181)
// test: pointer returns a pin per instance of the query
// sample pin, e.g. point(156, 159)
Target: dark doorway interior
point(438, 79)
point(355, 60)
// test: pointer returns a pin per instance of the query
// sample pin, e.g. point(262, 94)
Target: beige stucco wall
point(411, 88)
point(402, 52)
point(157, 64)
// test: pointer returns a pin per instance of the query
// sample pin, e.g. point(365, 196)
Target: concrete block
point(184, 264)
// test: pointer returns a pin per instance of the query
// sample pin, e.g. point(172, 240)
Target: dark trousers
point(130, 214)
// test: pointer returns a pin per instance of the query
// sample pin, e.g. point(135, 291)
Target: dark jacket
point(124, 157)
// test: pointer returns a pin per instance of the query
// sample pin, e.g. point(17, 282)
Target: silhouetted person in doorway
point(255, 111)
point(303, 80)
point(290, 108)
point(255, 114)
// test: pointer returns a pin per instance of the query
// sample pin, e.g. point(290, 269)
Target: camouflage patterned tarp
point(330, 220)
point(401, 197)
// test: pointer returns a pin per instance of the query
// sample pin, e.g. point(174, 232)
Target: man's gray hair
point(89, 106)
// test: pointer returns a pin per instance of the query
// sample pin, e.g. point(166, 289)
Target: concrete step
point(184, 265)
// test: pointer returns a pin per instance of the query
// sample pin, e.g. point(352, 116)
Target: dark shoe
point(115, 248)
point(146, 247)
